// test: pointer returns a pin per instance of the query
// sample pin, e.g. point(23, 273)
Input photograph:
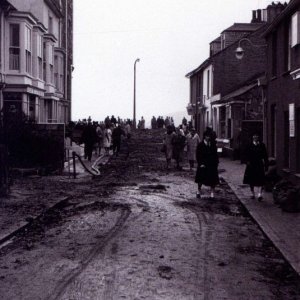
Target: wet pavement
point(140, 233)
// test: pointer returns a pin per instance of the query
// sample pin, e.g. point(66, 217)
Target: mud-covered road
point(139, 232)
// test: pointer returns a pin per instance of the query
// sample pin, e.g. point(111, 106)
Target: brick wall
point(231, 73)
point(280, 92)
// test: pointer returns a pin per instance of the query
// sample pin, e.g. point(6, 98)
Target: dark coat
point(89, 136)
point(117, 133)
point(207, 156)
point(257, 164)
point(178, 143)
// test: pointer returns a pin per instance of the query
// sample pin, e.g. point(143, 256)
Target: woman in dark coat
point(207, 170)
point(257, 165)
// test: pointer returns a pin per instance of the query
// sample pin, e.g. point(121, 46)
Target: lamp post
point(134, 97)
point(239, 51)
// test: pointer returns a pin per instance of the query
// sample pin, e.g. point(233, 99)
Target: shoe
point(260, 198)
point(198, 195)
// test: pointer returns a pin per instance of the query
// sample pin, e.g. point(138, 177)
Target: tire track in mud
point(69, 279)
point(202, 234)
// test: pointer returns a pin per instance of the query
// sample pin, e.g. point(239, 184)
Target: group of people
point(205, 153)
point(103, 135)
point(161, 122)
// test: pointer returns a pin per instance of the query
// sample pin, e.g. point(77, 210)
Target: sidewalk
point(282, 228)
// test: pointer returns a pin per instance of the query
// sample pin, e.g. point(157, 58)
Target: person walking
point(193, 140)
point(207, 170)
point(179, 141)
point(257, 164)
point(168, 145)
point(128, 130)
point(89, 138)
point(107, 136)
point(99, 133)
point(213, 136)
point(116, 139)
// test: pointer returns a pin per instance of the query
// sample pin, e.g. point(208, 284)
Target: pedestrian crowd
point(205, 153)
point(104, 135)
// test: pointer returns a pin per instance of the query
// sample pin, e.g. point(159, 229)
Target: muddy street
point(139, 232)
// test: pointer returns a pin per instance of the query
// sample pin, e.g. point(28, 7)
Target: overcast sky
point(171, 38)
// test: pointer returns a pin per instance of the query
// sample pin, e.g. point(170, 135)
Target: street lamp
point(134, 101)
point(239, 51)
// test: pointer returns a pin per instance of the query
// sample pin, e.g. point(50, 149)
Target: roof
point(217, 40)
point(238, 92)
point(246, 27)
point(202, 66)
point(294, 4)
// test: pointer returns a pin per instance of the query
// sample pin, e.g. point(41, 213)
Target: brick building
point(36, 59)
point(282, 91)
point(227, 94)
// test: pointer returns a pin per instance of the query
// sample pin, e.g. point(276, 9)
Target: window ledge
point(286, 171)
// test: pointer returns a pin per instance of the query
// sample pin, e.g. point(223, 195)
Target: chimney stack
point(274, 9)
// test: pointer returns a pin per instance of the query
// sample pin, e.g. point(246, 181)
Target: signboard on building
point(292, 119)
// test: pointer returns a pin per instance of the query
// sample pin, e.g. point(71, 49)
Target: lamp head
point(137, 60)
point(239, 53)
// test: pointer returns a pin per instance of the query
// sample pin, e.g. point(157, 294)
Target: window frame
point(14, 48)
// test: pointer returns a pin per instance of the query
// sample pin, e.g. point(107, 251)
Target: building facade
point(36, 59)
point(282, 91)
point(228, 94)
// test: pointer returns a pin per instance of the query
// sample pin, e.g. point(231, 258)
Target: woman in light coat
point(107, 139)
point(168, 145)
point(193, 140)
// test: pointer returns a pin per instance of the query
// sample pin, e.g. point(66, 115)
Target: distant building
point(282, 92)
point(36, 59)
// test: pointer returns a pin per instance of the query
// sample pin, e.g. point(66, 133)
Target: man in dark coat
point(89, 138)
point(257, 164)
point(116, 138)
point(207, 170)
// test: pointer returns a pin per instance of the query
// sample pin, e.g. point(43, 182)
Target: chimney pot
point(259, 15)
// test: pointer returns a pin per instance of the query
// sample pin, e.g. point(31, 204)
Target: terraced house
point(227, 93)
point(282, 92)
point(36, 59)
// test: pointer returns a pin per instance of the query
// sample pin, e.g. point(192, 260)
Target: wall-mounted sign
point(292, 119)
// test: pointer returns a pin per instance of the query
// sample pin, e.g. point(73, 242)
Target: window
point(44, 63)
point(295, 36)
point(208, 83)
point(28, 49)
point(274, 54)
point(50, 24)
point(14, 47)
point(56, 74)
point(287, 46)
point(40, 56)
point(51, 62)
point(61, 79)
